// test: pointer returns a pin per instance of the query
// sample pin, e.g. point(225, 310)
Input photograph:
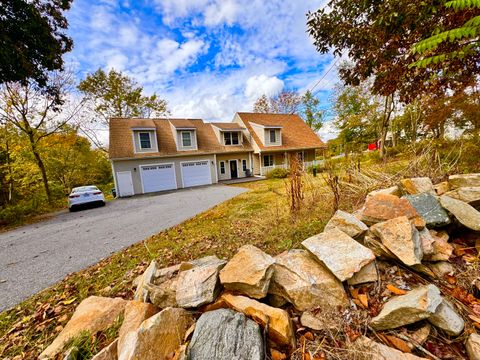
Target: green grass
point(260, 217)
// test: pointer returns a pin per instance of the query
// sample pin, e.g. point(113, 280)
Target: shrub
point(278, 173)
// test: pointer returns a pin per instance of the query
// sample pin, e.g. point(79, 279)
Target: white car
point(85, 195)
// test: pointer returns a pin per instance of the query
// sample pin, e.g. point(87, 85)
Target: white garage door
point(196, 173)
point(158, 177)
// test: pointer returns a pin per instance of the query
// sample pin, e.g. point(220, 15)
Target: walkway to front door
point(233, 169)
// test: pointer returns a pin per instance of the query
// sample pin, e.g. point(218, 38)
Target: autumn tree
point(32, 41)
point(311, 112)
point(285, 102)
point(262, 105)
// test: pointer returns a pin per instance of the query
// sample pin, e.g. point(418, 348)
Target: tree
point(262, 105)
point(286, 102)
point(116, 95)
point(311, 112)
point(37, 115)
point(32, 40)
point(377, 37)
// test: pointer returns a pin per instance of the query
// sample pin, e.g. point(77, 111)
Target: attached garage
point(159, 177)
point(195, 173)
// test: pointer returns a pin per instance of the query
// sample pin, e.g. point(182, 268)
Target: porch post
point(260, 163)
point(285, 160)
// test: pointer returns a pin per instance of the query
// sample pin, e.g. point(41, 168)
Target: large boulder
point(416, 305)
point(463, 212)
point(464, 180)
point(470, 195)
point(384, 207)
point(377, 351)
point(417, 185)
point(157, 337)
point(447, 319)
point(226, 335)
point(473, 347)
point(200, 284)
point(92, 315)
point(305, 283)
point(341, 254)
point(275, 320)
point(401, 238)
point(248, 272)
point(429, 208)
point(348, 223)
point(107, 353)
point(141, 293)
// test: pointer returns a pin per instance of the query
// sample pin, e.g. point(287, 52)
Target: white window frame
point(182, 139)
point(244, 165)
point(140, 140)
point(274, 132)
point(222, 164)
point(230, 138)
point(270, 160)
point(153, 141)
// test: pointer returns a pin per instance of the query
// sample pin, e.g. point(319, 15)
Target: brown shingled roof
point(296, 134)
point(227, 126)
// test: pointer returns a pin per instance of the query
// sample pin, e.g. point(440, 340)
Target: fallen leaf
point(396, 290)
point(451, 279)
point(363, 298)
point(68, 302)
point(309, 336)
point(398, 343)
point(277, 355)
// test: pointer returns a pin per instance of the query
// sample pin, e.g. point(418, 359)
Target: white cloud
point(257, 86)
point(224, 11)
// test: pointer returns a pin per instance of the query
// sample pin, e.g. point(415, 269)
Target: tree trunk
point(385, 123)
point(41, 166)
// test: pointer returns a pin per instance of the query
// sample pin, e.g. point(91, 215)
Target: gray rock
point(429, 208)
point(427, 241)
point(417, 185)
point(416, 305)
point(226, 335)
point(473, 347)
point(348, 223)
point(470, 195)
point(377, 351)
point(447, 319)
point(441, 268)
point(141, 293)
point(199, 285)
point(465, 213)
point(367, 274)
point(463, 180)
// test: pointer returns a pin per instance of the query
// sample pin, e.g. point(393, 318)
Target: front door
point(233, 169)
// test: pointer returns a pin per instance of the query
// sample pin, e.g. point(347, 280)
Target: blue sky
point(207, 58)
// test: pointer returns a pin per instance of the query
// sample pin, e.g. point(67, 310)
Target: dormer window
point(145, 141)
point(231, 138)
point(273, 136)
point(186, 139)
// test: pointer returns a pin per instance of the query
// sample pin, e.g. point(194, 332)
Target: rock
point(199, 285)
point(317, 321)
point(367, 274)
point(426, 241)
point(463, 212)
point(401, 238)
point(341, 254)
point(441, 188)
point(226, 335)
point(280, 329)
point(248, 272)
point(136, 312)
point(157, 337)
point(464, 180)
point(447, 319)
point(416, 305)
point(375, 244)
point(163, 287)
point(442, 250)
point(441, 268)
point(377, 351)
point(384, 207)
point(348, 223)
point(394, 190)
point(108, 353)
point(473, 347)
point(417, 185)
point(141, 294)
point(421, 335)
point(470, 195)
point(71, 353)
point(93, 314)
point(429, 208)
point(304, 282)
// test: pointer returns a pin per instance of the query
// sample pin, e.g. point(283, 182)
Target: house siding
point(229, 157)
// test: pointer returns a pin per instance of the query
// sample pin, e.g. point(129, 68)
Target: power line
point(324, 75)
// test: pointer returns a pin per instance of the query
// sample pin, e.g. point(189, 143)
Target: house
point(150, 155)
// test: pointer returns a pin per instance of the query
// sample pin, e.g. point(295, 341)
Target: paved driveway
point(36, 256)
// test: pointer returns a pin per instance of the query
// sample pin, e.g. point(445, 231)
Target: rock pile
point(256, 306)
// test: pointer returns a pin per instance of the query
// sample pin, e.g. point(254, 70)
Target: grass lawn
point(260, 217)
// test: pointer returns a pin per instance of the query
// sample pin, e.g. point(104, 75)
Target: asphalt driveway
point(36, 256)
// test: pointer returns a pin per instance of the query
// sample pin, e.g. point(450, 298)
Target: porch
point(264, 170)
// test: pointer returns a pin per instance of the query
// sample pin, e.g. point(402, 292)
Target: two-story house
point(151, 155)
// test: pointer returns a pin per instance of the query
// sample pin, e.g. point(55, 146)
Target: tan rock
point(421, 335)
point(377, 351)
point(447, 319)
point(442, 250)
point(248, 272)
point(393, 190)
point(441, 188)
point(464, 180)
point(108, 353)
point(427, 241)
point(465, 213)
point(441, 268)
point(416, 305)
point(401, 238)
point(347, 223)
point(162, 289)
point(305, 283)
point(318, 321)
point(158, 337)
point(136, 312)
point(473, 347)
point(375, 244)
point(384, 207)
point(417, 185)
point(470, 195)
point(280, 329)
point(366, 274)
point(141, 294)
point(341, 254)
point(93, 314)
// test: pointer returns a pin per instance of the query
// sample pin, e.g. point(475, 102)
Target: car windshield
point(84, 189)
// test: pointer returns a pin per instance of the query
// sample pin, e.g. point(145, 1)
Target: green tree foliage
point(32, 40)
point(311, 112)
point(377, 37)
point(114, 94)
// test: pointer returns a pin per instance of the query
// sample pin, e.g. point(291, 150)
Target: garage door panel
point(196, 173)
point(158, 177)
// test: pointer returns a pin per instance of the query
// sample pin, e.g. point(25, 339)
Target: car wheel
point(71, 209)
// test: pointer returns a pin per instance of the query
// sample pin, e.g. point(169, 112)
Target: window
point(222, 167)
point(244, 165)
point(186, 139)
point(273, 136)
point(267, 160)
point(145, 142)
point(231, 138)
